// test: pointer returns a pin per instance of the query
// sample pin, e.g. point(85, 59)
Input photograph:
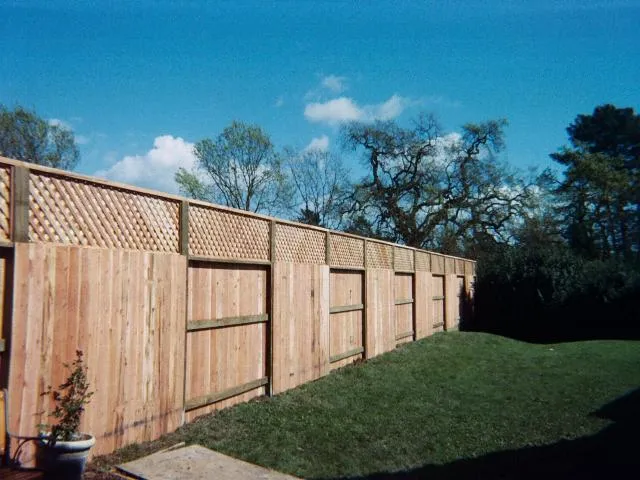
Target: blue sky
point(140, 81)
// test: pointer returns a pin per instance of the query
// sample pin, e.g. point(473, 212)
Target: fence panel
point(346, 316)
point(404, 302)
point(438, 302)
point(300, 324)
point(227, 324)
point(380, 305)
point(125, 310)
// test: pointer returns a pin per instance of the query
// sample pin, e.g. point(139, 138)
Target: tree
point(27, 137)
point(600, 192)
point(321, 184)
point(428, 190)
point(243, 169)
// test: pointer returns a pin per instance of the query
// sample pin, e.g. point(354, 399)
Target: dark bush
point(548, 294)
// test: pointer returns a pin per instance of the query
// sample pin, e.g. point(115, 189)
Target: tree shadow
point(611, 453)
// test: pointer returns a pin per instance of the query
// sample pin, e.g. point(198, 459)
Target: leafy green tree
point(600, 191)
point(240, 169)
point(428, 190)
point(27, 137)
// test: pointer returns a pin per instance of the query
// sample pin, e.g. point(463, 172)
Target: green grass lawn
point(427, 406)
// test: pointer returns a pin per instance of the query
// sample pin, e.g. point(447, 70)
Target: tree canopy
point(321, 185)
point(27, 137)
point(240, 169)
point(431, 190)
point(600, 191)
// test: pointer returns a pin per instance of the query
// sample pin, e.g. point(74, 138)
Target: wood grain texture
point(221, 359)
point(380, 304)
point(6, 258)
point(452, 301)
point(403, 289)
point(423, 304)
point(437, 302)
point(347, 288)
point(300, 324)
point(125, 310)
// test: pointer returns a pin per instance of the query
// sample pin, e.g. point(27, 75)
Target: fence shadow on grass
point(611, 453)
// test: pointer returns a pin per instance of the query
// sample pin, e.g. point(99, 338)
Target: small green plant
point(70, 399)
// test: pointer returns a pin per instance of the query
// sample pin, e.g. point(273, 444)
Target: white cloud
point(318, 143)
point(279, 101)
point(344, 109)
point(82, 139)
point(56, 122)
point(386, 110)
point(156, 168)
point(334, 111)
point(334, 83)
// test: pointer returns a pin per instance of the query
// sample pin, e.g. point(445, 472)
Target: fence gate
point(346, 317)
point(405, 331)
point(227, 335)
point(438, 302)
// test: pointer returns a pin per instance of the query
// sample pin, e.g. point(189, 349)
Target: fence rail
point(184, 307)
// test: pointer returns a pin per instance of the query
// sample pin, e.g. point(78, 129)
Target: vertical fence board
point(380, 304)
point(452, 303)
point(438, 302)
point(300, 324)
point(424, 304)
point(404, 311)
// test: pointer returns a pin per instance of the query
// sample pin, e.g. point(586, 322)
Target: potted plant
point(62, 450)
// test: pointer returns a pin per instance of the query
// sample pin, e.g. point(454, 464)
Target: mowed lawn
point(448, 406)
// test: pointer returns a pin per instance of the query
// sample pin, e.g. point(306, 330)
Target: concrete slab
point(196, 462)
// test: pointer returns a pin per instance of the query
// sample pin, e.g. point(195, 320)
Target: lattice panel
point(299, 245)
point(403, 259)
point(423, 261)
point(449, 265)
point(215, 233)
point(437, 264)
point(469, 268)
point(346, 251)
point(459, 266)
point(5, 203)
point(82, 213)
point(379, 255)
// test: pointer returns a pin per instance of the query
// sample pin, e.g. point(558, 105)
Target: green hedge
point(549, 293)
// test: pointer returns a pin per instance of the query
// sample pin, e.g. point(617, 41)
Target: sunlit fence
point(183, 307)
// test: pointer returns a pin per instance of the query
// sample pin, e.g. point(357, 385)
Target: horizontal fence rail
point(184, 307)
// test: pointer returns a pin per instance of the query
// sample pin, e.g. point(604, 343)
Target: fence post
point(184, 228)
point(272, 259)
point(365, 309)
point(20, 211)
point(183, 249)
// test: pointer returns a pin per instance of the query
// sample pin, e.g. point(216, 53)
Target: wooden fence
point(184, 307)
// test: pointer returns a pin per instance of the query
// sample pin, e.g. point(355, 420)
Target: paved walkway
point(197, 463)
